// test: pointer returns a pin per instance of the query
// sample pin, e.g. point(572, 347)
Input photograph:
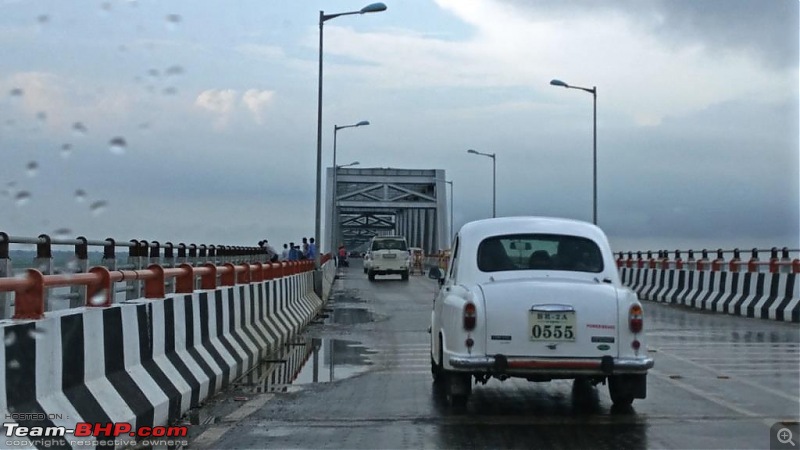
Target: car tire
point(371, 276)
point(437, 371)
point(458, 398)
point(404, 276)
point(620, 394)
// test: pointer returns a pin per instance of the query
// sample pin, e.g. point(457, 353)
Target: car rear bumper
point(500, 364)
point(389, 271)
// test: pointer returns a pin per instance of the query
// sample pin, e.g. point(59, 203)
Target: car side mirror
point(436, 274)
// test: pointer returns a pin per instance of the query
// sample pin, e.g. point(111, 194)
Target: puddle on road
point(308, 360)
point(351, 316)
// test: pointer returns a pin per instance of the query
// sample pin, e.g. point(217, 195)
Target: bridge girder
point(376, 201)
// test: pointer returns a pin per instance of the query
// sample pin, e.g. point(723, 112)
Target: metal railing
point(150, 270)
point(779, 260)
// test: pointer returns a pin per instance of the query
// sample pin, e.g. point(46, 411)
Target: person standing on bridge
point(285, 253)
point(312, 250)
point(304, 249)
point(272, 255)
point(293, 253)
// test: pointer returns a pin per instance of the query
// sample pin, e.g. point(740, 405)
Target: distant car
point(387, 255)
point(355, 254)
point(540, 299)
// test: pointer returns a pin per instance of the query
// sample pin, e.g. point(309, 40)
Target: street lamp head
point(363, 122)
point(558, 83)
point(472, 151)
point(374, 7)
point(354, 163)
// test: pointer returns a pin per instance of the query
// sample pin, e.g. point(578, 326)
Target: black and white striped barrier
point(145, 362)
point(773, 296)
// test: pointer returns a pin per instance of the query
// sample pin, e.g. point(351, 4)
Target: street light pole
point(592, 91)
point(452, 192)
point(494, 178)
point(374, 7)
point(334, 215)
point(336, 129)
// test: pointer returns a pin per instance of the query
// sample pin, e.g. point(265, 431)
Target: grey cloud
point(766, 29)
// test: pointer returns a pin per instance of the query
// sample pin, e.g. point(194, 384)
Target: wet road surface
point(359, 377)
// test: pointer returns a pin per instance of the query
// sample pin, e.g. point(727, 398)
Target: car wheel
point(620, 394)
point(459, 387)
point(436, 368)
point(404, 276)
point(371, 275)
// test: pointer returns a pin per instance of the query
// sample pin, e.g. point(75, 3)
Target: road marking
point(209, 437)
point(740, 380)
point(213, 434)
point(701, 393)
point(248, 408)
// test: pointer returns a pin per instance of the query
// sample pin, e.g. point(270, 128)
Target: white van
point(387, 255)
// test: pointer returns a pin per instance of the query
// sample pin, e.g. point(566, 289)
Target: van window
point(389, 244)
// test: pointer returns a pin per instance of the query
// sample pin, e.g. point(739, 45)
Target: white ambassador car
point(540, 299)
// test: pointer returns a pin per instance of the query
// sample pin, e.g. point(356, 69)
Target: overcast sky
point(215, 103)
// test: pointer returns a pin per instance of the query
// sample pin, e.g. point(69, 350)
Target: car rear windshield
point(389, 244)
point(539, 252)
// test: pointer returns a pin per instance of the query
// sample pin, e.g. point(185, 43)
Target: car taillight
point(470, 316)
point(635, 318)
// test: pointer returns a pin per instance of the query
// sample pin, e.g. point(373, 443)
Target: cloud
point(715, 25)
point(512, 50)
point(227, 103)
point(256, 101)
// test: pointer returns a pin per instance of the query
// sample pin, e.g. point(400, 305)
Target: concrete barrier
point(145, 362)
point(773, 296)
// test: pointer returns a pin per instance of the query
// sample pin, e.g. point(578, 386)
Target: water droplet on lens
point(170, 91)
point(144, 126)
point(153, 73)
point(13, 364)
point(31, 168)
point(98, 207)
point(11, 337)
point(36, 333)
point(41, 115)
point(72, 266)
point(173, 71)
point(22, 198)
point(117, 145)
point(79, 129)
point(16, 92)
point(43, 18)
point(172, 21)
point(66, 150)
point(98, 299)
point(62, 233)
point(80, 195)
point(106, 6)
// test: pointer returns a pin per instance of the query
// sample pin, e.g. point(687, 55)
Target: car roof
point(481, 229)
point(473, 233)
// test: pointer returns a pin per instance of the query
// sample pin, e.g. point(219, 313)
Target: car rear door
point(550, 317)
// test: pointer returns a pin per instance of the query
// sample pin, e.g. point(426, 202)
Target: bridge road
point(719, 382)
